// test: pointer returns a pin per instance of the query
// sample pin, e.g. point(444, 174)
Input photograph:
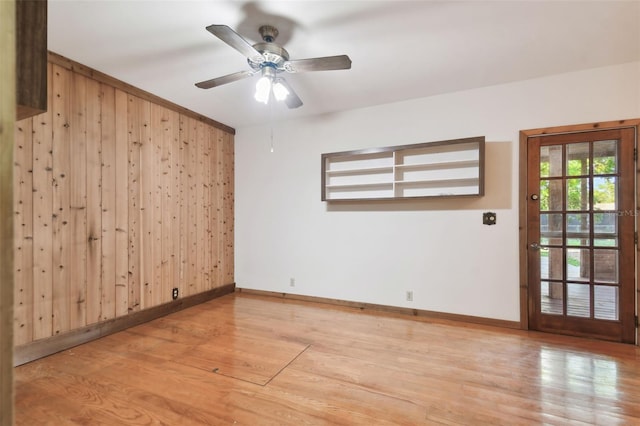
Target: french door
point(581, 234)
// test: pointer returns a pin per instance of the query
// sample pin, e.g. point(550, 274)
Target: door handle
point(534, 246)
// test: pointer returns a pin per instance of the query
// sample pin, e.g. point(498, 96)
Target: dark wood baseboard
point(390, 309)
point(44, 347)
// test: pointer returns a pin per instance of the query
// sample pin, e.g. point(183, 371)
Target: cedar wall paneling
point(118, 200)
point(7, 118)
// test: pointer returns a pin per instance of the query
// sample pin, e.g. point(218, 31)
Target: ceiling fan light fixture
point(280, 91)
point(270, 58)
point(265, 84)
point(263, 89)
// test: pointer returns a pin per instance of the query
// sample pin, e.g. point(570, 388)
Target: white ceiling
point(400, 49)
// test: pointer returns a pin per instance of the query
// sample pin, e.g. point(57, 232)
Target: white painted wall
point(441, 251)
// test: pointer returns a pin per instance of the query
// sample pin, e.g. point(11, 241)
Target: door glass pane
point(605, 157)
point(605, 224)
point(551, 161)
point(578, 159)
point(605, 229)
point(605, 267)
point(551, 297)
point(550, 195)
point(605, 193)
point(578, 264)
point(605, 302)
point(578, 229)
point(551, 229)
point(551, 263)
point(578, 194)
point(605, 242)
point(578, 300)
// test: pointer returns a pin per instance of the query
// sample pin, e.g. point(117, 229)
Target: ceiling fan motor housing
point(274, 55)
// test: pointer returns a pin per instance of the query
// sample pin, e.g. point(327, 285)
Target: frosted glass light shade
point(263, 87)
point(280, 91)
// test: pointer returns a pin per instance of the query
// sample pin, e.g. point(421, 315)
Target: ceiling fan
point(270, 59)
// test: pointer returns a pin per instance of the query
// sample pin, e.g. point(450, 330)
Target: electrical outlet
point(292, 282)
point(409, 296)
point(174, 293)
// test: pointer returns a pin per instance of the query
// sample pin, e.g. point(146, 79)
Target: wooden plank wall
point(118, 200)
point(7, 118)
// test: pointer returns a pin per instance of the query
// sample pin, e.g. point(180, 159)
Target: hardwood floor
point(255, 360)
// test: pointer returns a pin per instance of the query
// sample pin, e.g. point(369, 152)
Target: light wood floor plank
point(290, 362)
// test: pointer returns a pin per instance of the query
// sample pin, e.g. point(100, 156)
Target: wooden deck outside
point(605, 298)
point(253, 360)
point(579, 302)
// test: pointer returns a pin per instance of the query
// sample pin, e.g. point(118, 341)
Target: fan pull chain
point(271, 102)
point(272, 138)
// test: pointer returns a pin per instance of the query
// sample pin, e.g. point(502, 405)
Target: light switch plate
point(489, 218)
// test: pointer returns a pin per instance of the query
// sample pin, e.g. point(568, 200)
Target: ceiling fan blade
point(219, 81)
point(292, 100)
point(236, 41)
point(327, 63)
